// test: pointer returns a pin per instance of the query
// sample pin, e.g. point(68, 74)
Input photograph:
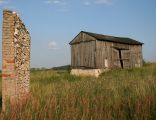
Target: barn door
point(125, 57)
point(116, 59)
point(121, 58)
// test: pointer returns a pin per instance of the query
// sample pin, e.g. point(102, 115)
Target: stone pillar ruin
point(15, 59)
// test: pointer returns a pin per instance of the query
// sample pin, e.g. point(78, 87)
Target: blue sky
point(54, 23)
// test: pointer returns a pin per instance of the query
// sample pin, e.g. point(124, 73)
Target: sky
point(54, 23)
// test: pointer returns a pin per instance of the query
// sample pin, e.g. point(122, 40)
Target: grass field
point(115, 95)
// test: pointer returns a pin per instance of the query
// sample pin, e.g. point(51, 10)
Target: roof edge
point(70, 43)
point(135, 42)
point(89, 33)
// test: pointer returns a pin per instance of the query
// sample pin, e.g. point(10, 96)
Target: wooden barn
point(91, 51)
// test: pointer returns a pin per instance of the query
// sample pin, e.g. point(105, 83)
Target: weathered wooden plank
point(94, 54)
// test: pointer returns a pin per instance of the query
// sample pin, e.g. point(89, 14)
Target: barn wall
point(83, 53)
point(103, 54)
point(82, 37)
point(87, 52)
point(107, 55)
point(125, 53)
point(136, 56)
point(77, 39)
point(132, 57)
point(87, 38)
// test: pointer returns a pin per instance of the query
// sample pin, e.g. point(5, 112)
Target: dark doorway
point(120, 57)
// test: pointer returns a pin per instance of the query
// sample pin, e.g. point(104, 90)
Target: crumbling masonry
point(15, 59)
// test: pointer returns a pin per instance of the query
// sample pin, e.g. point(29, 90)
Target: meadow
point(116, 95)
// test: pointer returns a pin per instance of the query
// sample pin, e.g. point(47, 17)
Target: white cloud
point(58, 2)
point(48, 2)
point(98, 2)
point(87, 3)
point(106, 2)
point(3, 1)
point(53, 45)
point(61, 5)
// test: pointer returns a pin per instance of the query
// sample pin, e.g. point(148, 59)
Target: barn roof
point(112, 39)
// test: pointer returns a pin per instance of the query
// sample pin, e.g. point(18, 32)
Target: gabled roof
point(112, 38)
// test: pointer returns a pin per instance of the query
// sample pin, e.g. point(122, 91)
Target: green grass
point(115, 95)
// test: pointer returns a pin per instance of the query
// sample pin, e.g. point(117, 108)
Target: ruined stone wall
point(15, 59)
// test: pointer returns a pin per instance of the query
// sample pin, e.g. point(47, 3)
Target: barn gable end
point(82, 51)
point(82, 37)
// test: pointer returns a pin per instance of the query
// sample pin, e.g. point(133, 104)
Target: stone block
point(88, 72)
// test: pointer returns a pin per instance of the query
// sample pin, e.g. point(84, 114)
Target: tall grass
point(115, 95)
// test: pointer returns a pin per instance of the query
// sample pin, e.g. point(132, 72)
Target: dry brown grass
point(115, 95)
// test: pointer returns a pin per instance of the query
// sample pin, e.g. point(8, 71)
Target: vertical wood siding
point(82, 54)
point(91, 53)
